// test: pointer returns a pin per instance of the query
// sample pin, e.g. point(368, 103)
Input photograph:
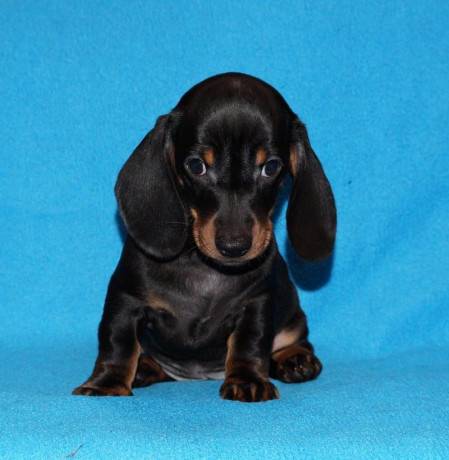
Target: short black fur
point(201, 290)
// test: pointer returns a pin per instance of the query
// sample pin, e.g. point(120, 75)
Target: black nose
point(233, 246)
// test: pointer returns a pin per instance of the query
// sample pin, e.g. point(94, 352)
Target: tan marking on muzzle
point(204, 234)
point(261, 233)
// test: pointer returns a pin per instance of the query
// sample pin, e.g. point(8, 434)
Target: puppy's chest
point(192, 313)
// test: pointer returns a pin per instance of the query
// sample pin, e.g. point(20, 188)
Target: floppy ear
point(311, 214)
point(148, 197)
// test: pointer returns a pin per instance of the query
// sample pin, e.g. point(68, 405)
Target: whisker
point(178, 223)
point(191, 249)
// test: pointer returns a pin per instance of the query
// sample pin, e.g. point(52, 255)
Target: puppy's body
point(189, 309)
point(201, 290)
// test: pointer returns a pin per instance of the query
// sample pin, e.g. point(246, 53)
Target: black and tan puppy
point(201, 290)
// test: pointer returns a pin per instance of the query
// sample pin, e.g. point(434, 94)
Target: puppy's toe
point(101, 391)
point(244, 390)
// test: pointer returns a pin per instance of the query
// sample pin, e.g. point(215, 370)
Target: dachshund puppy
point(201, 290)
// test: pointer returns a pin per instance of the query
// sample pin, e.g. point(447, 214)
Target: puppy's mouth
point(235, 252)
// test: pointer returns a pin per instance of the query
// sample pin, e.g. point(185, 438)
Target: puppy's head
point(218, 160)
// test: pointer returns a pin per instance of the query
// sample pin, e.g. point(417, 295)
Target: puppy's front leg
point(248, 357)
point(119, 350)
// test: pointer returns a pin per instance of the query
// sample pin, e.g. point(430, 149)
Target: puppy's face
point(229, 172)
point(220, 155)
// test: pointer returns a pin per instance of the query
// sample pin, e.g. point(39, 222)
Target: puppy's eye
point(270, 168)
point(196, 166)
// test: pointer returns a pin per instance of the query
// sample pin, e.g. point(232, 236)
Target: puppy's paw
point(244, 390)
point(101, 391)
point(295, 365)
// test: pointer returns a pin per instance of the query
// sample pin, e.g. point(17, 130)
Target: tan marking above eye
point(209, 157)
point(261, 157)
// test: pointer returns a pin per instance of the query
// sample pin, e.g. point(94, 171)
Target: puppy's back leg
point(292, 358)
point(149, 372)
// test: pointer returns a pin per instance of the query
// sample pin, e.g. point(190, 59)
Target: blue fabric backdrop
point(81, 84)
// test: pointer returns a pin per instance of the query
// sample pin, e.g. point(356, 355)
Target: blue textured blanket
point(82, 83)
